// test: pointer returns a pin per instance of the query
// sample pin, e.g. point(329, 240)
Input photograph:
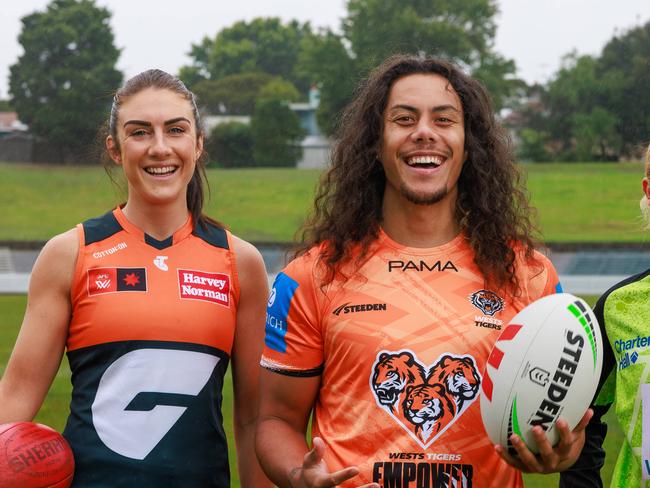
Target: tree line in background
point(594, 108)
point(61, 84)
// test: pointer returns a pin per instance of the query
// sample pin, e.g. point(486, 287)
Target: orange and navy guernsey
point(401, 345)
point(149, 342)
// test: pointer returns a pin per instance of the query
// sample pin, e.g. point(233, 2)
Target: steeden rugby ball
point(546, 364)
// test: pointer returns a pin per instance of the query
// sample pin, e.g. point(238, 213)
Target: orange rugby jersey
point(401, 346)
point(149, 342)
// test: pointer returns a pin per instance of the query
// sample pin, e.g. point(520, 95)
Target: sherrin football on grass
point(34, 456)
point(545, 365)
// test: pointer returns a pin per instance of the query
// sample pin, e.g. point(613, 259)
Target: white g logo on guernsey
point(135, 434)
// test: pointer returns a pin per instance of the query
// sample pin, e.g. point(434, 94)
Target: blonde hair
point(644, 204)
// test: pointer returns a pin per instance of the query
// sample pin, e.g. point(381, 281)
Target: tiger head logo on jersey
point(487, 302)
point(392, 373)
point(424, 401)
point(458, 375)
point(429, 409)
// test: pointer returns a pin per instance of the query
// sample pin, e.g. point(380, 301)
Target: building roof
point(8, 119)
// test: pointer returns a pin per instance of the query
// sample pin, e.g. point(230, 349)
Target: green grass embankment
point(577, 202)
point(588, 202)
point(259, 205)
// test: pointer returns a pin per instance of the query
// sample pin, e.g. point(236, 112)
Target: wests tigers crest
point(487, 302)
point(425, 401)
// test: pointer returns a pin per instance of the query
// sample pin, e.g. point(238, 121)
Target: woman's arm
point(41, 341)
point(246, 353)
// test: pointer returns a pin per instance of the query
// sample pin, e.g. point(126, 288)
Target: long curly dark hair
point(492, 208)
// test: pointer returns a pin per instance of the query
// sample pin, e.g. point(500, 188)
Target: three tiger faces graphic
point(425, 401)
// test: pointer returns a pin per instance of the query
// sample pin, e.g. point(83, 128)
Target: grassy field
point(55, 408)
point(588, 202)
point(576, 202)
point(264, 205)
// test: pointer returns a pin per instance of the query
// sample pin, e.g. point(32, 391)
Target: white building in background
point(315, 152)
point(9, 123)
point(315, 146)
point(211, 121)
point(16, 144)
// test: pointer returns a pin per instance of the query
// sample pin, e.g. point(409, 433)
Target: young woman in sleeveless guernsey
point(150, 302)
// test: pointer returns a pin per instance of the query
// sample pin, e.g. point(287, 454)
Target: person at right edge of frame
point(418, 252)
point(623, 313)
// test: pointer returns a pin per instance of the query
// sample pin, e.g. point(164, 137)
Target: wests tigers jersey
point(149, 342)
point(400, 345)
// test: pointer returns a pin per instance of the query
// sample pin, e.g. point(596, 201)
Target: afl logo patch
point(112, 280)
point(487, 302)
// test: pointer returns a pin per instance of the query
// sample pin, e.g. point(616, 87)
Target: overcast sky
point(159, 33)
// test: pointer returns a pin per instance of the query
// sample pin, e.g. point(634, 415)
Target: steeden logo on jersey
point(112, 280)
point(347, 308)
point(201, 285)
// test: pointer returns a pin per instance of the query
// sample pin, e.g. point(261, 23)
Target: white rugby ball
point(546, 364)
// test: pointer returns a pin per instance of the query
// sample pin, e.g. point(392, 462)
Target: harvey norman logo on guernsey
point(201, 285)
